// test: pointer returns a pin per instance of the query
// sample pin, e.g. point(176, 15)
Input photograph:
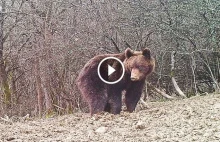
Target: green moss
point(7, 93)
point(50, 113)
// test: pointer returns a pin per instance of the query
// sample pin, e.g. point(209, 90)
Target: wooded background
point(45, 43)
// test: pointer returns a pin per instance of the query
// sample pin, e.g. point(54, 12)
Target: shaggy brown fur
point(104, 97)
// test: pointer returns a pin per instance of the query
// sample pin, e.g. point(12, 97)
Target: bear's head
point(138, 64)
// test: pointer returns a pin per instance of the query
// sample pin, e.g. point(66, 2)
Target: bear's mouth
point(134, 79)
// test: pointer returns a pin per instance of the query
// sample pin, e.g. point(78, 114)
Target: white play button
point(110, 70)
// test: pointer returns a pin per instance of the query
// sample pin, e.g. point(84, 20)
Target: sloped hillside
point(193, 119)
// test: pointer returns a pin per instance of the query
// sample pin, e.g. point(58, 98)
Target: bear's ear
point(128, 53)
point(146, 52)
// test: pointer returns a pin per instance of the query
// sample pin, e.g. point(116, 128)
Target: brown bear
point(108, 97)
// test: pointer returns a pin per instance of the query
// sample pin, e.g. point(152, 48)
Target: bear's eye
point(142, 68)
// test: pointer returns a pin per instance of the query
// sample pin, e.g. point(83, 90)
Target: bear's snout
point(135, 74)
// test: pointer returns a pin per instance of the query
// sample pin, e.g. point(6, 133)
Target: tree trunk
point(46, 78)
point(179, 91)
point(40, 95)
point(193, 67)
point(47, 94)
point(3, 74)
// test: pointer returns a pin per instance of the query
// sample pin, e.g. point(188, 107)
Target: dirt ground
point(193, 119)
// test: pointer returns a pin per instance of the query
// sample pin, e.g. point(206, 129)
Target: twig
point(160, 92)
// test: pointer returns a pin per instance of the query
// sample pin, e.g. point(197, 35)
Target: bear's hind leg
point(97, 103)
point(94, 93)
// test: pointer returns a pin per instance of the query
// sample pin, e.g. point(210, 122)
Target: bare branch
point(114, 43)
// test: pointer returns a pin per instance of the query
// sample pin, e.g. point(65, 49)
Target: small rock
point(10, 138)
point(207, 134)
point(156, 137)
point(101, 130)
point(140, 125)
point(17, 140)
point(217, 135)
point(217, 106)
point(91, 133)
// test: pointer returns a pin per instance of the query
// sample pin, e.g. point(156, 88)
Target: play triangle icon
point(110, 70)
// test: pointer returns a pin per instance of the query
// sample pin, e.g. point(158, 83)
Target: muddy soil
point(192, 119)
